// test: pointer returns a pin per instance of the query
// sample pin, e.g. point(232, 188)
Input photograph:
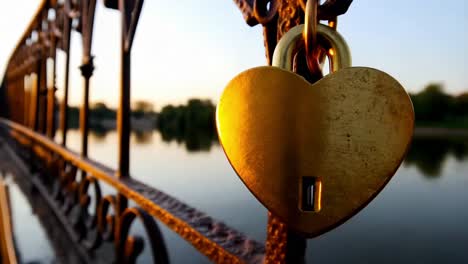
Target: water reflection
point(143, 137)
point(434, 226)
point(430, 154)
point(195, 140)
point(99, 133)
point(427, 154)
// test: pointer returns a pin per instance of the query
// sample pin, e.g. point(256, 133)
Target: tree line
point(99, 112)
point(434, 107)
point(192, 123)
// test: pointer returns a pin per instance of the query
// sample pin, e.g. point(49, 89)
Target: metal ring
point(310, 36)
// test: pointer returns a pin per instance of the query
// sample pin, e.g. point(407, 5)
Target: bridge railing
point(70, 180)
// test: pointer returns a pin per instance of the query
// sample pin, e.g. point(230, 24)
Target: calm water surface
point(420, 217)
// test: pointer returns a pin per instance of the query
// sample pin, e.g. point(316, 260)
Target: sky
point(186, 48)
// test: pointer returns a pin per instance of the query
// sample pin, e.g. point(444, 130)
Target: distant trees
point(100, 111)
point(461, 105)
point(193, 123)
point(142, 108)
point(434, 106)
point(197, 114)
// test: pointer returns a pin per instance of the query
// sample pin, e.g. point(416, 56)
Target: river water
point(420, 217)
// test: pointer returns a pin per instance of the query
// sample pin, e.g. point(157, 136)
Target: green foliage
point(142, 108)
point(433, 106)
point(73, 117)
point(461, 105)
point(193, 123)
point(100, 111)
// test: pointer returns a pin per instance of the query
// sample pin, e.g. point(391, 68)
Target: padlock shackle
point(337, 50)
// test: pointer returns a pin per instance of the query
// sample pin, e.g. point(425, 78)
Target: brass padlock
point(314, 154)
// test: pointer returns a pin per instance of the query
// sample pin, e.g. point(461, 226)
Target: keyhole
point(311, 194)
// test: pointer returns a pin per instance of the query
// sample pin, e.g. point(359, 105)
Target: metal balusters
point(42, 94)
point(130, 13)
point(123, 116)
point(86, 71)
point(87, 22)
point(27, 98)
point(65, 41)
point(36, 98)
point(51, 92)
point(213, 239)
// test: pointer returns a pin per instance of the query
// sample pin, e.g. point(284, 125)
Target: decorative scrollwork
point(128, 248)
point(92, 238)
point(71, 195)
point(103, 224)
point(106, 221)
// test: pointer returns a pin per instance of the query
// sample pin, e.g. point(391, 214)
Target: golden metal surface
point(350, 130)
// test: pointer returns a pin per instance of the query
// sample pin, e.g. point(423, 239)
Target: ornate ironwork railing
point(69, 180)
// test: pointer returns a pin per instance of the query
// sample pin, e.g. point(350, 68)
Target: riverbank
point(139, 124)
point(149, 124)
point(440, 132)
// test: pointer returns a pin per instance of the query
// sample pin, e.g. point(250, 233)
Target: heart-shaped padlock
point(314, 154)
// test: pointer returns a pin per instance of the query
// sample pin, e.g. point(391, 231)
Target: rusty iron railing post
point(42, 95)
point(64, 104)
point(37, 95)
point(130, 14)
point(123, 112)
point(50, 130)
point(87, 23)
point(42, 38)
point(27, 99)
point(66, 37)
point(51, 111)
point(86, 71)
point(123, 115)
